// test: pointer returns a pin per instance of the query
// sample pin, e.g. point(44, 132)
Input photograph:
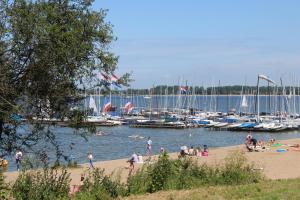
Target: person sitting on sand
point(261, 144)
point(191, 151)
point(253, 142)
point(198, 151)
point(205, 151)
point(272, 141)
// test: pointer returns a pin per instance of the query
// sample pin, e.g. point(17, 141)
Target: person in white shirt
point(149, 146)
point(90, 157)
point(18, 158)
point(134, 159)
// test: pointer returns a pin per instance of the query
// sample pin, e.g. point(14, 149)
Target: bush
point(99, 186)
point(47, 184)
point(186, 173)
point(4, 188)
point(237, 171)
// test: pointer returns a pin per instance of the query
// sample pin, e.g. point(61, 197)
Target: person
point(131, 161)
point(191, 151)
point(162, 150)
point(149, 146)
point(272, 141)
point(198, 151)
point(183, 152)
point(253, 142)
point(4, 163)
point(205, 150)
point(18, 158)
point(90, 157)
point(81, 180)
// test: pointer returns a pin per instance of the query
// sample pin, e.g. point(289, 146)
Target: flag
point(107, 107)
point(117, 85)
point(104, 80)
point(114, 80)
point(104, 76)
point(265, 78)
point(183, 89)
point(128, 107)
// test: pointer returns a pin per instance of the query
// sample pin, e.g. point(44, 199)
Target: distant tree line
point(200, 90)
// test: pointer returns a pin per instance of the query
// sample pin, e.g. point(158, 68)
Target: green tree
point(50, 50)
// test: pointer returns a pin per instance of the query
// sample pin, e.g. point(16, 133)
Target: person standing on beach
point(149, 146)
point(90, 157)
point(18, 158)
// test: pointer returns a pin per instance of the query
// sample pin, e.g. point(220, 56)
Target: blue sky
point(164, 41)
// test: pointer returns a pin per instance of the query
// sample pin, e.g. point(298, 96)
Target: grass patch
point(265, 190)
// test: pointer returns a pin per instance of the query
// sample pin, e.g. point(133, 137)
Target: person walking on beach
point(90, 157)
point(134, 159)
point(149, 146)
point(18, 158)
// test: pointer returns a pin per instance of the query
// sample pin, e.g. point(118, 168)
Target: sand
point(274, 165)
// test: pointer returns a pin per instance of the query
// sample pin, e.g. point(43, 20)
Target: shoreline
point(275, 165)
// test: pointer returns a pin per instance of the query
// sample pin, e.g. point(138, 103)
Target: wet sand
point(275, 165)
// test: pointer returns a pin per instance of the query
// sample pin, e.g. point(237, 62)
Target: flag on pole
point(104, 76)
point(104, 80)
point(114, 78)
point(115, 81)
point(266, 78)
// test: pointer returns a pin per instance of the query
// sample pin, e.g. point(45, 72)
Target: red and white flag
point(128, 107)
point(114, 78)
point(104, 76)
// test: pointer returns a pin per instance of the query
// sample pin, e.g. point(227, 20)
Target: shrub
point(4, 188)
point(47, 184)
point(99, 186)
point(238, 171)
point(186, 173)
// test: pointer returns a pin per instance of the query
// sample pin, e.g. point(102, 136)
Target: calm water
point(116, 144)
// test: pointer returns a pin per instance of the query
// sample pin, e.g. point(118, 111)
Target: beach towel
point(276, 145)
point(281, 150)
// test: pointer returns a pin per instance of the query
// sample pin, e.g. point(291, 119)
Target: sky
point(201, 42)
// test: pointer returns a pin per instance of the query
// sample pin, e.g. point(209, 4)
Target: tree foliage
point(49, 51)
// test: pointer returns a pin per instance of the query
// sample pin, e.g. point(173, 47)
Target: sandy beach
point(275, 165)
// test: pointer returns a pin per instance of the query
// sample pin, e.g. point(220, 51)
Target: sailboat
point(94, 118)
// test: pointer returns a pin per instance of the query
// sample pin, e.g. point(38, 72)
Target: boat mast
point(257, 100)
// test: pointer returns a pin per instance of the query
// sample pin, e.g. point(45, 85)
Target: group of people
point(185, 151)
point(253, 144)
